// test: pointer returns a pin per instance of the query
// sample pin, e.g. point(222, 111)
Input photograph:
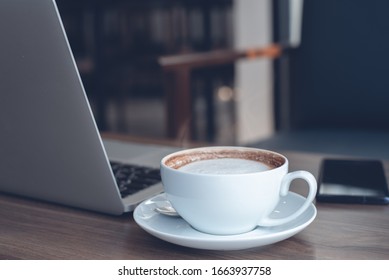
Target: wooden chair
point(178, 69)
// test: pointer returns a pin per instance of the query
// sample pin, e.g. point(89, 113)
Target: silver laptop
point(50, 147)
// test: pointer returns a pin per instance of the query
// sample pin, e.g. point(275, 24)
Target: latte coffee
point(225, 161)
point(225, 166)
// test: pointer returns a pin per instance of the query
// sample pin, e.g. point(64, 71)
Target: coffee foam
point(272, 160)
point(225, 166)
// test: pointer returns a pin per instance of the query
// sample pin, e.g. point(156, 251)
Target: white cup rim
point(221, 148)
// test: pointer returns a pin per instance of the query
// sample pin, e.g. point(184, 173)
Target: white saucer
point(176, 230)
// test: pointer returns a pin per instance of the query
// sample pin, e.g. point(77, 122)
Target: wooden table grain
point(31, 229)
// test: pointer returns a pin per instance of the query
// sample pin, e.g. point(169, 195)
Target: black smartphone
point(352, 181)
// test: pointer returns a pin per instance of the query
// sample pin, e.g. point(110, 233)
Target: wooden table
point(37, 230)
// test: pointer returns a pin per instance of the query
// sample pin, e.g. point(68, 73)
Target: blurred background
point(201, 70)
point(117, 45)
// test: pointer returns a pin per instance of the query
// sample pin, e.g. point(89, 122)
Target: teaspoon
point(167, 210)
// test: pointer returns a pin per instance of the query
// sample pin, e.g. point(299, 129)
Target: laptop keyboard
point(132, 178)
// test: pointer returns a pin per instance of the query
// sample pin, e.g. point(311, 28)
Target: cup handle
point(285, 184)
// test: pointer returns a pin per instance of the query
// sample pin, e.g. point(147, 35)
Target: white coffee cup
point(219, 196)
